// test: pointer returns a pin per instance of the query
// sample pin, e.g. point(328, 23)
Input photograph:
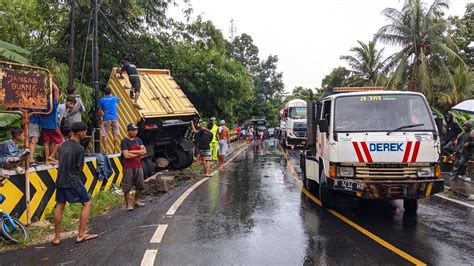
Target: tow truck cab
point(372, 144)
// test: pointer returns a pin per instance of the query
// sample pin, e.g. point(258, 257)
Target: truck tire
point(182, 159)
point(148, 167)
point(326, 195)
point(410, 206)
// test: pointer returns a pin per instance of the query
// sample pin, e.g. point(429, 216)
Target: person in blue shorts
point(69, 185)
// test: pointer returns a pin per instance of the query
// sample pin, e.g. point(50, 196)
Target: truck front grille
point(363, 172)
point(300, 133)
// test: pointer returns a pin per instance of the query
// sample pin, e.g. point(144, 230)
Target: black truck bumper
point(383, 189)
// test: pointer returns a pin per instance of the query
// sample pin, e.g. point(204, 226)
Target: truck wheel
point(148, 167)
point(326, 196)
point(410, 206)
point(182, 159)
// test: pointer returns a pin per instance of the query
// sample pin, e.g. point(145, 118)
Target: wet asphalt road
point(253, 212)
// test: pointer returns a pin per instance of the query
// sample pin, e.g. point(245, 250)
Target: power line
point(121, 38)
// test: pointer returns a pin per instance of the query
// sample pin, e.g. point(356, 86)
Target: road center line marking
point(149, 257)
point(359, 228)
point(158, 235)
point(454, 200)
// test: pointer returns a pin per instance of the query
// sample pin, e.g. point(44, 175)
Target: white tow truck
point(372, 144)
point(292, 130)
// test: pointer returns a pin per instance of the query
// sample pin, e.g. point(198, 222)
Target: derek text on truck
point(372, 144)
point(292, 131)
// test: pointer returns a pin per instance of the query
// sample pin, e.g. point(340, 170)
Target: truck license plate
point(348, 185)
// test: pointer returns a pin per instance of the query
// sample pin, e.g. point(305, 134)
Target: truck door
point(323, 137)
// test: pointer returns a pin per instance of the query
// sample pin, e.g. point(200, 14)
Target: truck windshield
point(382, 113)
point(297, 112)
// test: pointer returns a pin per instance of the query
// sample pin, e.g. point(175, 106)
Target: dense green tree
point(268, 81)
point(425, 50)
point(367, 64)
point(244, 51)
point(461, 31)
point(338, 77)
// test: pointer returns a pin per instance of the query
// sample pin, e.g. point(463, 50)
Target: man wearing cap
point(464, 146)
point(132, 150)
point(69, 184)
point(215, 140)
point(451, 134)
point(224, 141)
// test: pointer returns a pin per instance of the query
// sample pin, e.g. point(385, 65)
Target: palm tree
point(366, 64)
point(424, 48)
point(463, 89)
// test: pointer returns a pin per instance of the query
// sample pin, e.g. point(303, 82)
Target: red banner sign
point(22, 89)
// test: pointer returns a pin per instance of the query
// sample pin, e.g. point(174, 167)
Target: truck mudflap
point(383, 189)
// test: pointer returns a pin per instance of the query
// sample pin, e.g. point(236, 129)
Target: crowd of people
point(457, 144)
point(250, 133)
point(212, 143)
point(63, 133)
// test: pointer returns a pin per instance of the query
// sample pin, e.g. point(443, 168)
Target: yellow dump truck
point(163, 119)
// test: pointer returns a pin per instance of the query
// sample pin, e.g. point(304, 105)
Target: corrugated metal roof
point(160, 96)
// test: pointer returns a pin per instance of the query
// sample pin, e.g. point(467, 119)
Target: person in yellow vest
point(215, 140)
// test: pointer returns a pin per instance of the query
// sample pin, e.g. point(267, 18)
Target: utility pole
point(232, 29)
point(72, 18)
point(95, 76)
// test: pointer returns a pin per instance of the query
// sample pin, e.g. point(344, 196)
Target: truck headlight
point(346, 172)
point(425, 172)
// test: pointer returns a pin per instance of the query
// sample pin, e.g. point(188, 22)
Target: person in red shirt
point(238, 132)
point(132, 150)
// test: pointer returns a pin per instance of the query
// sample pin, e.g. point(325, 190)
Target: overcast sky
point(308, 36)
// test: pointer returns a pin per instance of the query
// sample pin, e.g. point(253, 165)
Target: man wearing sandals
point(69, 184)
point(132, 150)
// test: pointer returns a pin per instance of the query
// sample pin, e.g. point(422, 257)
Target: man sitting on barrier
point(11, 157)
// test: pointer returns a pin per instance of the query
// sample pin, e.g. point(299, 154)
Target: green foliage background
point(228, 78)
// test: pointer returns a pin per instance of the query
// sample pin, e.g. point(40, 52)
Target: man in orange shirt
point(224, 141)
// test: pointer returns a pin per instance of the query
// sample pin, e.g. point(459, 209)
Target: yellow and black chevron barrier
point(43, 189)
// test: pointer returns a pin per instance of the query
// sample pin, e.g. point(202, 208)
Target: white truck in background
point(292, 131)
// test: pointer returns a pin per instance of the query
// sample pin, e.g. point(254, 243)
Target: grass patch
point(41, 232)
point(102, 202)
point(195, 170)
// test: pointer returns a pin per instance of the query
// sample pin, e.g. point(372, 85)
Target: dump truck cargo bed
point(164, 114)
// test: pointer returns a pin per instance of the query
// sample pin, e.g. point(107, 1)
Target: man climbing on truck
point(134, 79)
point(108, 112)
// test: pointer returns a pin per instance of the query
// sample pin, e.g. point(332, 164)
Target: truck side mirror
point(323, 125)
